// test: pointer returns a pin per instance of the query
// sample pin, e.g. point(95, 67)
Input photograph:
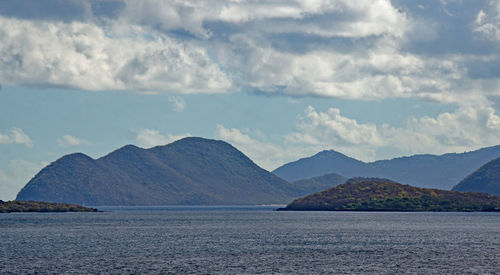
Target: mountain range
point(202, 171)
point(189, 171)
point(429, 171)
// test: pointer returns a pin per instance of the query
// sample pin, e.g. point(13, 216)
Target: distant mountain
point(363, 194)
point(188, 171)
point(429, 171)
point(324, 162)
point(485, 180)
point(319, 183)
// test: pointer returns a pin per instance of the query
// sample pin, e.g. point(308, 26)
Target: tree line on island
point(210, 172)
point(373, 194)
point(40, 206)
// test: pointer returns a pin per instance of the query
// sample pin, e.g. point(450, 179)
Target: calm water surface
point(236, 240)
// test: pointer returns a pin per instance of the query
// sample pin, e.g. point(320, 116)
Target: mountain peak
point(188, 171)
point(129, 147)
point(422, 170)
point(198, 141)
point(324, 162)
point(330, 153)
point(75, 156)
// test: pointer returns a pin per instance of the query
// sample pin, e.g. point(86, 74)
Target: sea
point(248, 240)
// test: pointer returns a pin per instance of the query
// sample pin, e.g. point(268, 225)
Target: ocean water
point(248, 240)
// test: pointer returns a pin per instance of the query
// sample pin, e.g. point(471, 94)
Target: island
point(38, 206)
point(374, 194)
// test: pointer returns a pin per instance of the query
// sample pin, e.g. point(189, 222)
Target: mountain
point(319, 183)
point(188, 171)
point(428, 171)
point(324, 162)
point(371, 194)
point(485, 180)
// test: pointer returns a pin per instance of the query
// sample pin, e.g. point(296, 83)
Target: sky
point(278, 79)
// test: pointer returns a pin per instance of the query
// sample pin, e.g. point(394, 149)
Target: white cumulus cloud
point(360, 50)
point(346, 18)
point(264, 153)
point(177, 103)
point(16, 136)
point(469, 127)
point(69, 141)
point(92, 57)
point(149, 138)
point(487, 22)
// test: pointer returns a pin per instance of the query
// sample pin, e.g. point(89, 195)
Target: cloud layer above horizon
point(445, 51)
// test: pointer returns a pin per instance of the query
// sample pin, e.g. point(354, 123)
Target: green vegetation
point(186, 172)
point(384, 195)
point(485, 180)
point(38, 206)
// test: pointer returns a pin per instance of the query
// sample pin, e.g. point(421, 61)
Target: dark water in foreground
point(249, 240)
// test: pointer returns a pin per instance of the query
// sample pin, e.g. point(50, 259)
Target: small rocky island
point(373, 194)
point(38, 206)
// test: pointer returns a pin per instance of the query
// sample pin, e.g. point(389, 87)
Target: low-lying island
point(38, 206)
point(373, 194)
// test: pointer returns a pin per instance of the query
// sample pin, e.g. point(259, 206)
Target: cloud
point(69, 141)
point(16, 136)
point(337, 128)
point(17, 174)
point(487, 22)
point(91, 57)
point(469, 127)
point(363, 50)
point(343, 17)
point(266, 154)
point(177, 103)
point(149, 138)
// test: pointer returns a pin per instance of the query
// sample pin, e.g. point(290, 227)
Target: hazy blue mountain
point(429, 171)
point(324, 162)
point(373, 194)
point(319, 183)
point(188, 171)
point(485, 180)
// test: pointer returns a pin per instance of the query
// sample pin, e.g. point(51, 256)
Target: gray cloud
point(90, 57)
point(432, 50)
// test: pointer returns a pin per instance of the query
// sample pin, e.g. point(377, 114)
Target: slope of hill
point(363, 194)
point(319, 183)
point(485, 180)
point(188, 171)
point(428, 171)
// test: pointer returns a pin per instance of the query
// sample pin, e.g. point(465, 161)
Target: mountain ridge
point(421, 170)
point(188, 171)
